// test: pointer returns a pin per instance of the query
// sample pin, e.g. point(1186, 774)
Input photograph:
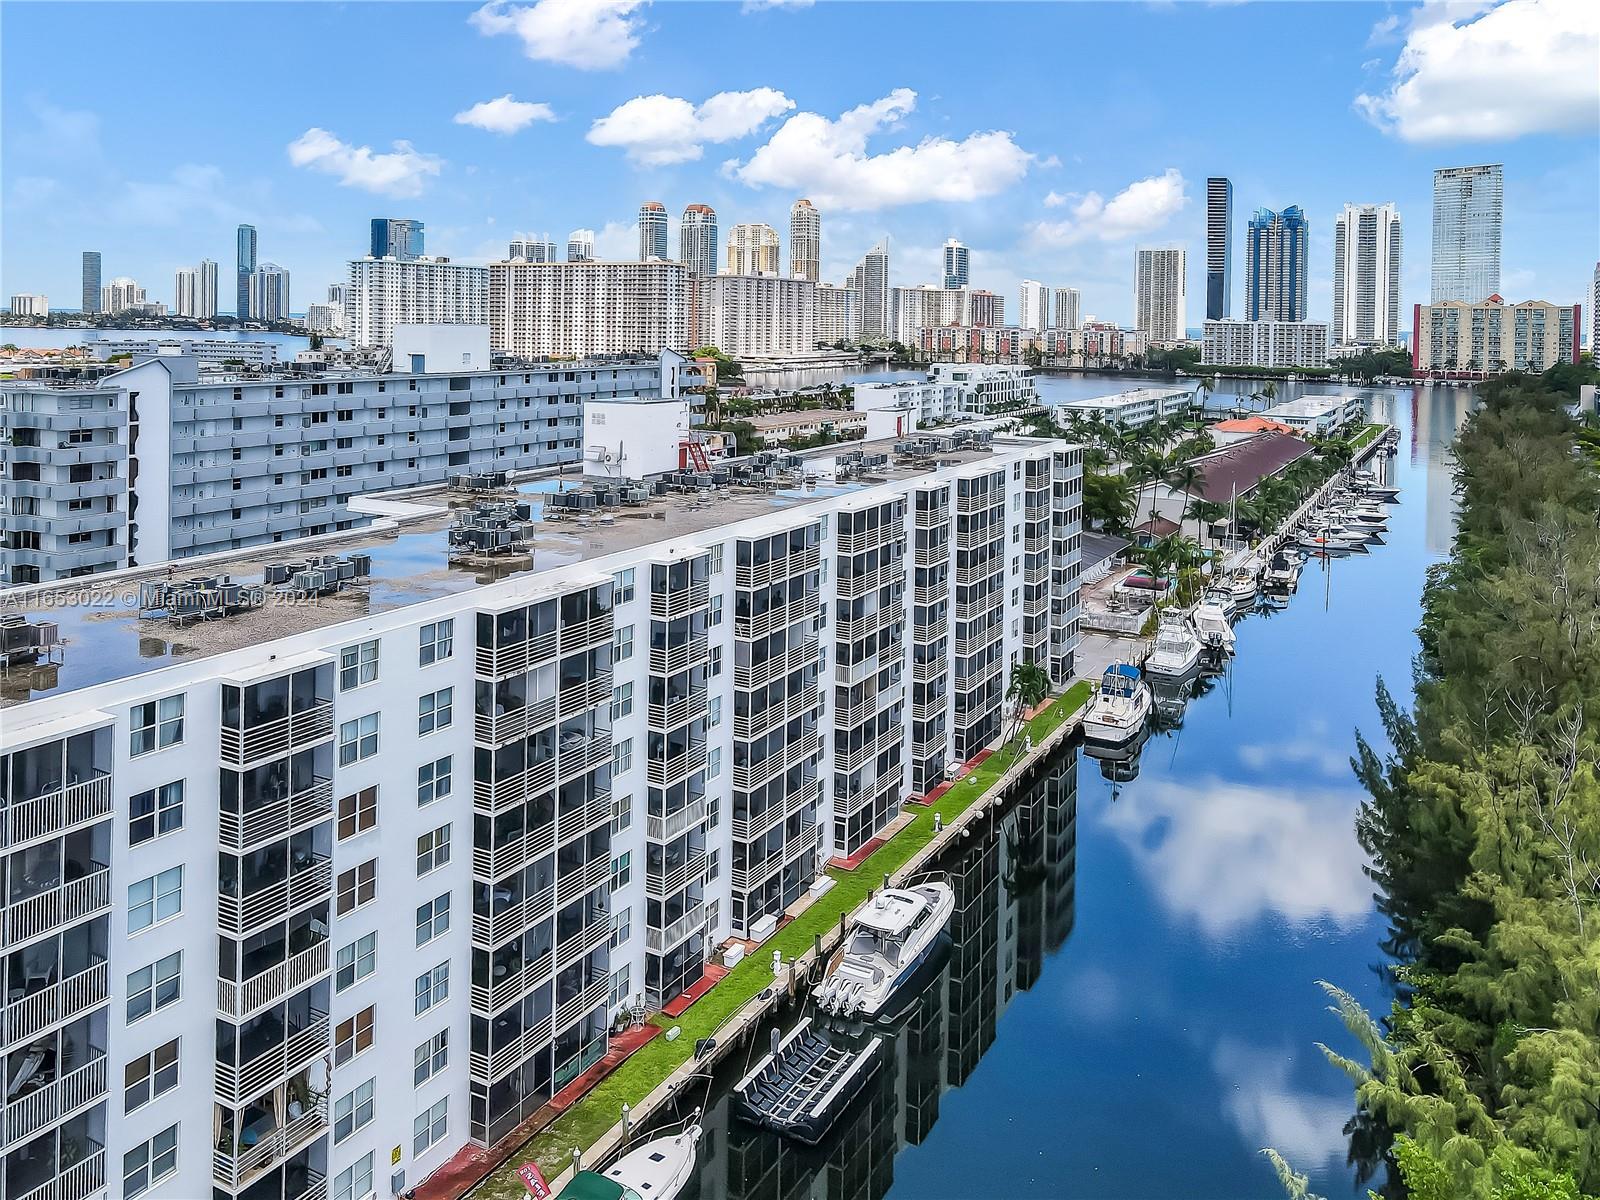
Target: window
point(715, 618)
point(150, 1075)
point(358, 739)
point(155, 725)
point(713, 865)
point(358, 665)
point(622, 869)
point(619, 985)
point(716, 661)
point(713, 762)
point(156, 986)
point(716, 559)
point(355, 961)
point(433, 850)
point(429, 1127)
point(358, 812)
point(621, 814)
point(621, 926)
point(621, 700)
point(148, 1163)
point(623, 582)
point(155, 899)
point(433, 918)
point(436, 641)
point(430, 1058)
point(351, 1037)
point(355, 1181)
point(357, 886)
point(714, 711)
point(434, 711)
point(433, 781)
point(432, 988)
point(353, 1110)
point(153, 813)
point(622, 756)
point(624, 645)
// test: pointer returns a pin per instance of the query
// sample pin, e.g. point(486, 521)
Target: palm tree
point(1207, 513)
point(1184, 475)
point(1030, 684)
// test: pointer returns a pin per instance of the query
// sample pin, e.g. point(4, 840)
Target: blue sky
point(1052, 138)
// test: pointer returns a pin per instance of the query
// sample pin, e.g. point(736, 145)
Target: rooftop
point(105, 637)
point(1237, 469)
point(1135, 396)
point(1308, 406)
point(1252, 425)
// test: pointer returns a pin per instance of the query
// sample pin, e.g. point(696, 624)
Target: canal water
point(1131, 1009)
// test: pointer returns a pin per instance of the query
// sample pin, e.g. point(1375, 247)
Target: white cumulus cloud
point(401, 172)
point(592, 35)
point(1526, 66)
point(1138, 209)
point(667, 129)
point(828, 160)
point(504, 114)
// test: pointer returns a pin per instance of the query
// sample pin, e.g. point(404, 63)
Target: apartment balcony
point(674, 770)
point(238, 831)
point(679, 711)
point(979, 640)
point(877, 793)
point(933, 556)
point(239, 1000)
point(797, 659)
point(797, 751)
point(497, 928)
point(1036, 545)
point(81, 1180)
point(237, 915)
point(852, 587)
point(929, 518)
point(798, 705)
point(57, 811)
point(497, 729)
point(273, 739)
point(929, 670)
point(55, 1004)
point(577, 883)
point(968, 576)
point(849, 716)
point(681, 601)
point(570, 949)
point(488, 1068)
point(514, 789)
point(968, 683)
point(236, 1084)
point(512, 985)
point(757, 575)
point(586, 817)
point(574, 758)
point(680, 656)
point(1036, 606)
point(993, 498)
point(747, 829)
point(1036, 511)
point(569, 1011)
point(65, 904)
point(931, 709)
point(675, 825)
point(660, 941)
point(931, 631)
point(233, 1168)
point(581, 697)
point(844, 764)
point(850, 674)
point(492, 864)
point(862, 540)
point(596, 631)
point(27, 1114)
point(495, 662)
point(779, 616)
point(925, 596)
point(747, 879)
point(690, 870)
point(853, 629)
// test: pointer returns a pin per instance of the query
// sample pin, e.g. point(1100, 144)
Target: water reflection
point(1014, 878)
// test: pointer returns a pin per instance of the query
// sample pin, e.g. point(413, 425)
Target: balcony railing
point(803, 655)
point(851, 587)
point(680, 656)
point(797, 751)
point(798, 705)
point(26, 1115)
point(674, 770)
point(490, 1000)
point(274, 738)
point(238, 1000)
point(56, 811)
point(579, 759)
point(659, 941)
point(675, 825)
point(580, 820)
point(492, 864)
point(747, 829)
point(52, 1005)
point(514, 789)
point(680, 602)
point(489, 1068)
point(233, 1168)
point(240, 914)
point(593, 632)
point(494, 662)
point(862, 540)
point(570, 1010)
point(570, 949)
point(498, 928)
point(62, 905)
point(236, 1084)
point(931, 631)
point(82, 1179)
point(496, 729)
point(577, 883)
point(853, 629)
point(932, 556)
point(745, 879)
point(581, 697)
point(679, 711)
point(674, 881)
point(757, 575)
point(843, 764)
point(239, 831)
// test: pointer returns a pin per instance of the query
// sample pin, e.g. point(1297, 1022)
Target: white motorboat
point(1283, 572)
point(895, 937)
point(1212, 627)
point(1381, 491)
point(1243, 583)
point(1220, 595)
point(1176, 652)
point(657, 1170)
point(1119, 708)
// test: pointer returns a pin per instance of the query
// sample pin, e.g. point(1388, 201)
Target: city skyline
point(1031, 205)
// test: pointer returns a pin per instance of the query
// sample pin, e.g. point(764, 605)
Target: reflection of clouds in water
point(1092, 995)
point(1227, 854)
point(1305, 1128)
point(1311, 746)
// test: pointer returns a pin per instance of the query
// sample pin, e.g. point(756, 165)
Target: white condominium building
point(1457, 338)
point(578, 309)
point(339, 889)
point(1133, 408)
point(805, 240)
point(1265, 344)
point(916, 308)
point(753, 250)
point(121, 295)
point(384, 292)
point(29, 304)
point(1035, 306)
point(194, 291)
point(838, 313)
point(954, 392)
point(756, 316)
point(1160, 291)
point(1064, 309)
point(580, 246)
point(1367, 245)
point(1468, 210)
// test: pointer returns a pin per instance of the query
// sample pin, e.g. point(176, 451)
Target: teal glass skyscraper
point(1276, 248)
point(245, 266)
point(396, 237)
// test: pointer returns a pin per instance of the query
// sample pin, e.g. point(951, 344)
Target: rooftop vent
point(22, 640)
point(203, 598)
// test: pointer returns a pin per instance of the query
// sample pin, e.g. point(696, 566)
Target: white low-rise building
point(953, 392)
point(1132, 408)
point(1317, 416)
point(1286, 344)
point(248, 354)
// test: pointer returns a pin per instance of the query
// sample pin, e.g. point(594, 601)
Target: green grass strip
point(586, 1121)
point(1367, 434)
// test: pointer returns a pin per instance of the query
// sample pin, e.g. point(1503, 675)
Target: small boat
point(1220, 595)
point(800, 1087)
point(1242, 586)
point(1118, 711)
point(1322, 543)
point(1283, 572)
point(896, 936)
point(657, 1170)
point(1381, 491)
point(1176, 652)
point(1211, 626)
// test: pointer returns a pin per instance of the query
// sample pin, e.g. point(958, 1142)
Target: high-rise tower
point(245, 266)
point(652, 231)
point(697, 239)
point(1219, 249)
point(805, 240)
point(1468, 207)
point(1276, 248)
point(1366, 275)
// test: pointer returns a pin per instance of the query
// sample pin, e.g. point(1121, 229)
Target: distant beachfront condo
point(1468, 209)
